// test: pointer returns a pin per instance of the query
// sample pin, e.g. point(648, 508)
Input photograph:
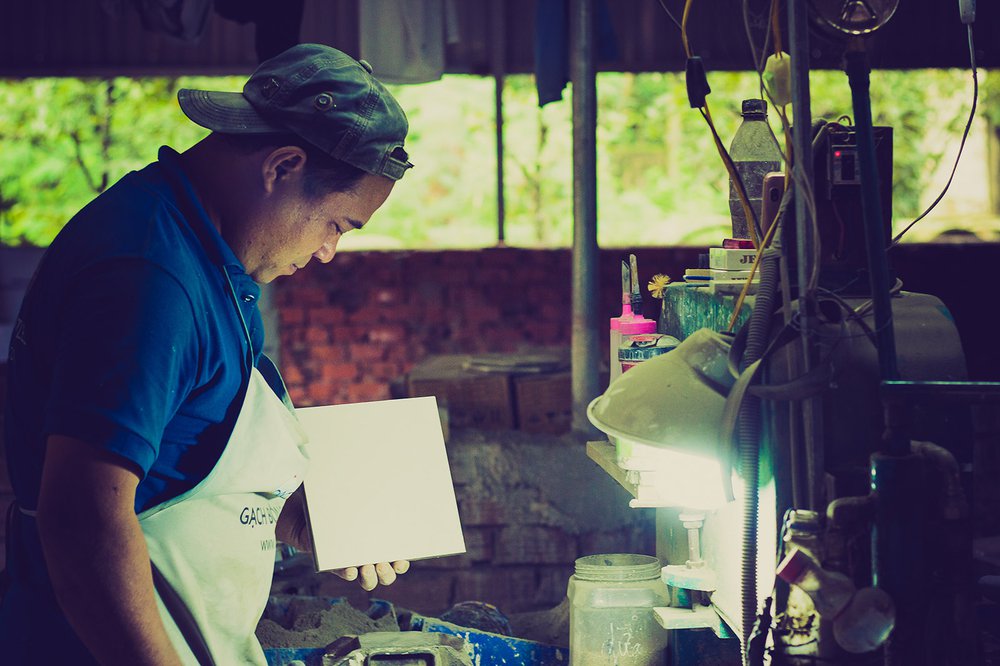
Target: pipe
point(897, 556)
point(498, 57)
point(585, 357)
point(944, 391)
point(871, 213)
point(748, 436)
point(945, 465)
point(802, 157)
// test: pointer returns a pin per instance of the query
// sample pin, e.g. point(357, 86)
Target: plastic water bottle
point(755, 154)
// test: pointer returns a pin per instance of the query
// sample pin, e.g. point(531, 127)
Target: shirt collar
point(217, 247)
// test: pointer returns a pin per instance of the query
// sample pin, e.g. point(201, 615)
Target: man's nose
point(326, 251)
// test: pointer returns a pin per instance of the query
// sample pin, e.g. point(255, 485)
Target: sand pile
point(315, 623)
point(550, 627)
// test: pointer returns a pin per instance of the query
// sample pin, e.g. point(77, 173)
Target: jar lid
point(618, 567)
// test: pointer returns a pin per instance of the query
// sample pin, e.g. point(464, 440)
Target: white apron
point(215, 543)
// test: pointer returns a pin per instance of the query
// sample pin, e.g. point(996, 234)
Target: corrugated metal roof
point(67, 37)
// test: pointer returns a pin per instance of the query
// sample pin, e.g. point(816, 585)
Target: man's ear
point(282, 164)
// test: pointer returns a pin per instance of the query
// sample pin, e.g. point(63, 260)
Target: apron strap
point(182, 617)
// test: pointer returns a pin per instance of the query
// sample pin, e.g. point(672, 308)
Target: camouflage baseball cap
point(319, 93)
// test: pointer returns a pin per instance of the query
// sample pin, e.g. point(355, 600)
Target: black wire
point(758, 62)
point(670, 14)
point(965, 135)
point(851, 314)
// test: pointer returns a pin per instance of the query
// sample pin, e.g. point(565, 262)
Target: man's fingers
point(386, 575)
point(369, 578)
point(370, 575)
point(350, 573)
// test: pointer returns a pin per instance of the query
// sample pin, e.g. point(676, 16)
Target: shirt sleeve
point(125, 358)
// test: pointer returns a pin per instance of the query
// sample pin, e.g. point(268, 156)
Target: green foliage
point(65, 140)
point(448, 199)
point(927, 110)
point(660, 178)
point(989, 90)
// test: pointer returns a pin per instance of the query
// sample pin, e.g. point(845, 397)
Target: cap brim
point(227, 112)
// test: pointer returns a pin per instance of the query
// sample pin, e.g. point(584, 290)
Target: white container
point(731, 259)
point(611, 611)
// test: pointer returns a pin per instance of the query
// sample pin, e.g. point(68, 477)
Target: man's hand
point(293, 529)
point(373, 574)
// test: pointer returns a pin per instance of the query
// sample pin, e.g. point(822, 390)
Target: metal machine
point(838, 419)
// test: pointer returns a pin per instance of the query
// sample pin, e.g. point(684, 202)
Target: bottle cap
point(637, 325)
point(754, 106)
point(793, 566)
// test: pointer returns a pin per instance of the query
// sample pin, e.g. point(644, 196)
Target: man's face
point(293, 228)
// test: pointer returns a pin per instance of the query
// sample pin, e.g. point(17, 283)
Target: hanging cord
point(673, 19)
point(965, 135)
point(751, 215)
point(805, 189)
point(803, 185)
point(791, 173)
point(697, 91)
point(776, 26)
point(760, 63)
point(867, 306)
point(684, 27)
point(852, 314)
point(785, 199)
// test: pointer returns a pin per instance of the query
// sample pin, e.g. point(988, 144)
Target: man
point(143, 425)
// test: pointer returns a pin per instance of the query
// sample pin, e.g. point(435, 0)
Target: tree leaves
point(659, 178)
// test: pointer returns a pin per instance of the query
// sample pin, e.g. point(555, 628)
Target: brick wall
point(353, 327)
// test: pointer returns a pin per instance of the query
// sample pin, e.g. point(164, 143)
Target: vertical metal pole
point(898, 565)
point(802, 158)
point(498, 57)
point(876, 241)
point(585, 348)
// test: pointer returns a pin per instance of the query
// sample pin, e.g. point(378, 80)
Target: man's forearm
point(99, 565)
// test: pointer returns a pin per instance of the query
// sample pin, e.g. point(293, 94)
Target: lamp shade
point(673, 401)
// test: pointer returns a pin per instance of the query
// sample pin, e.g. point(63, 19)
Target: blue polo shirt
point(130, 338)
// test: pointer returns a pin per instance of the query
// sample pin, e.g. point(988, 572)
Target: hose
point(748, 435)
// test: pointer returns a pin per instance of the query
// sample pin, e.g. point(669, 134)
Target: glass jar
point(611, 611)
